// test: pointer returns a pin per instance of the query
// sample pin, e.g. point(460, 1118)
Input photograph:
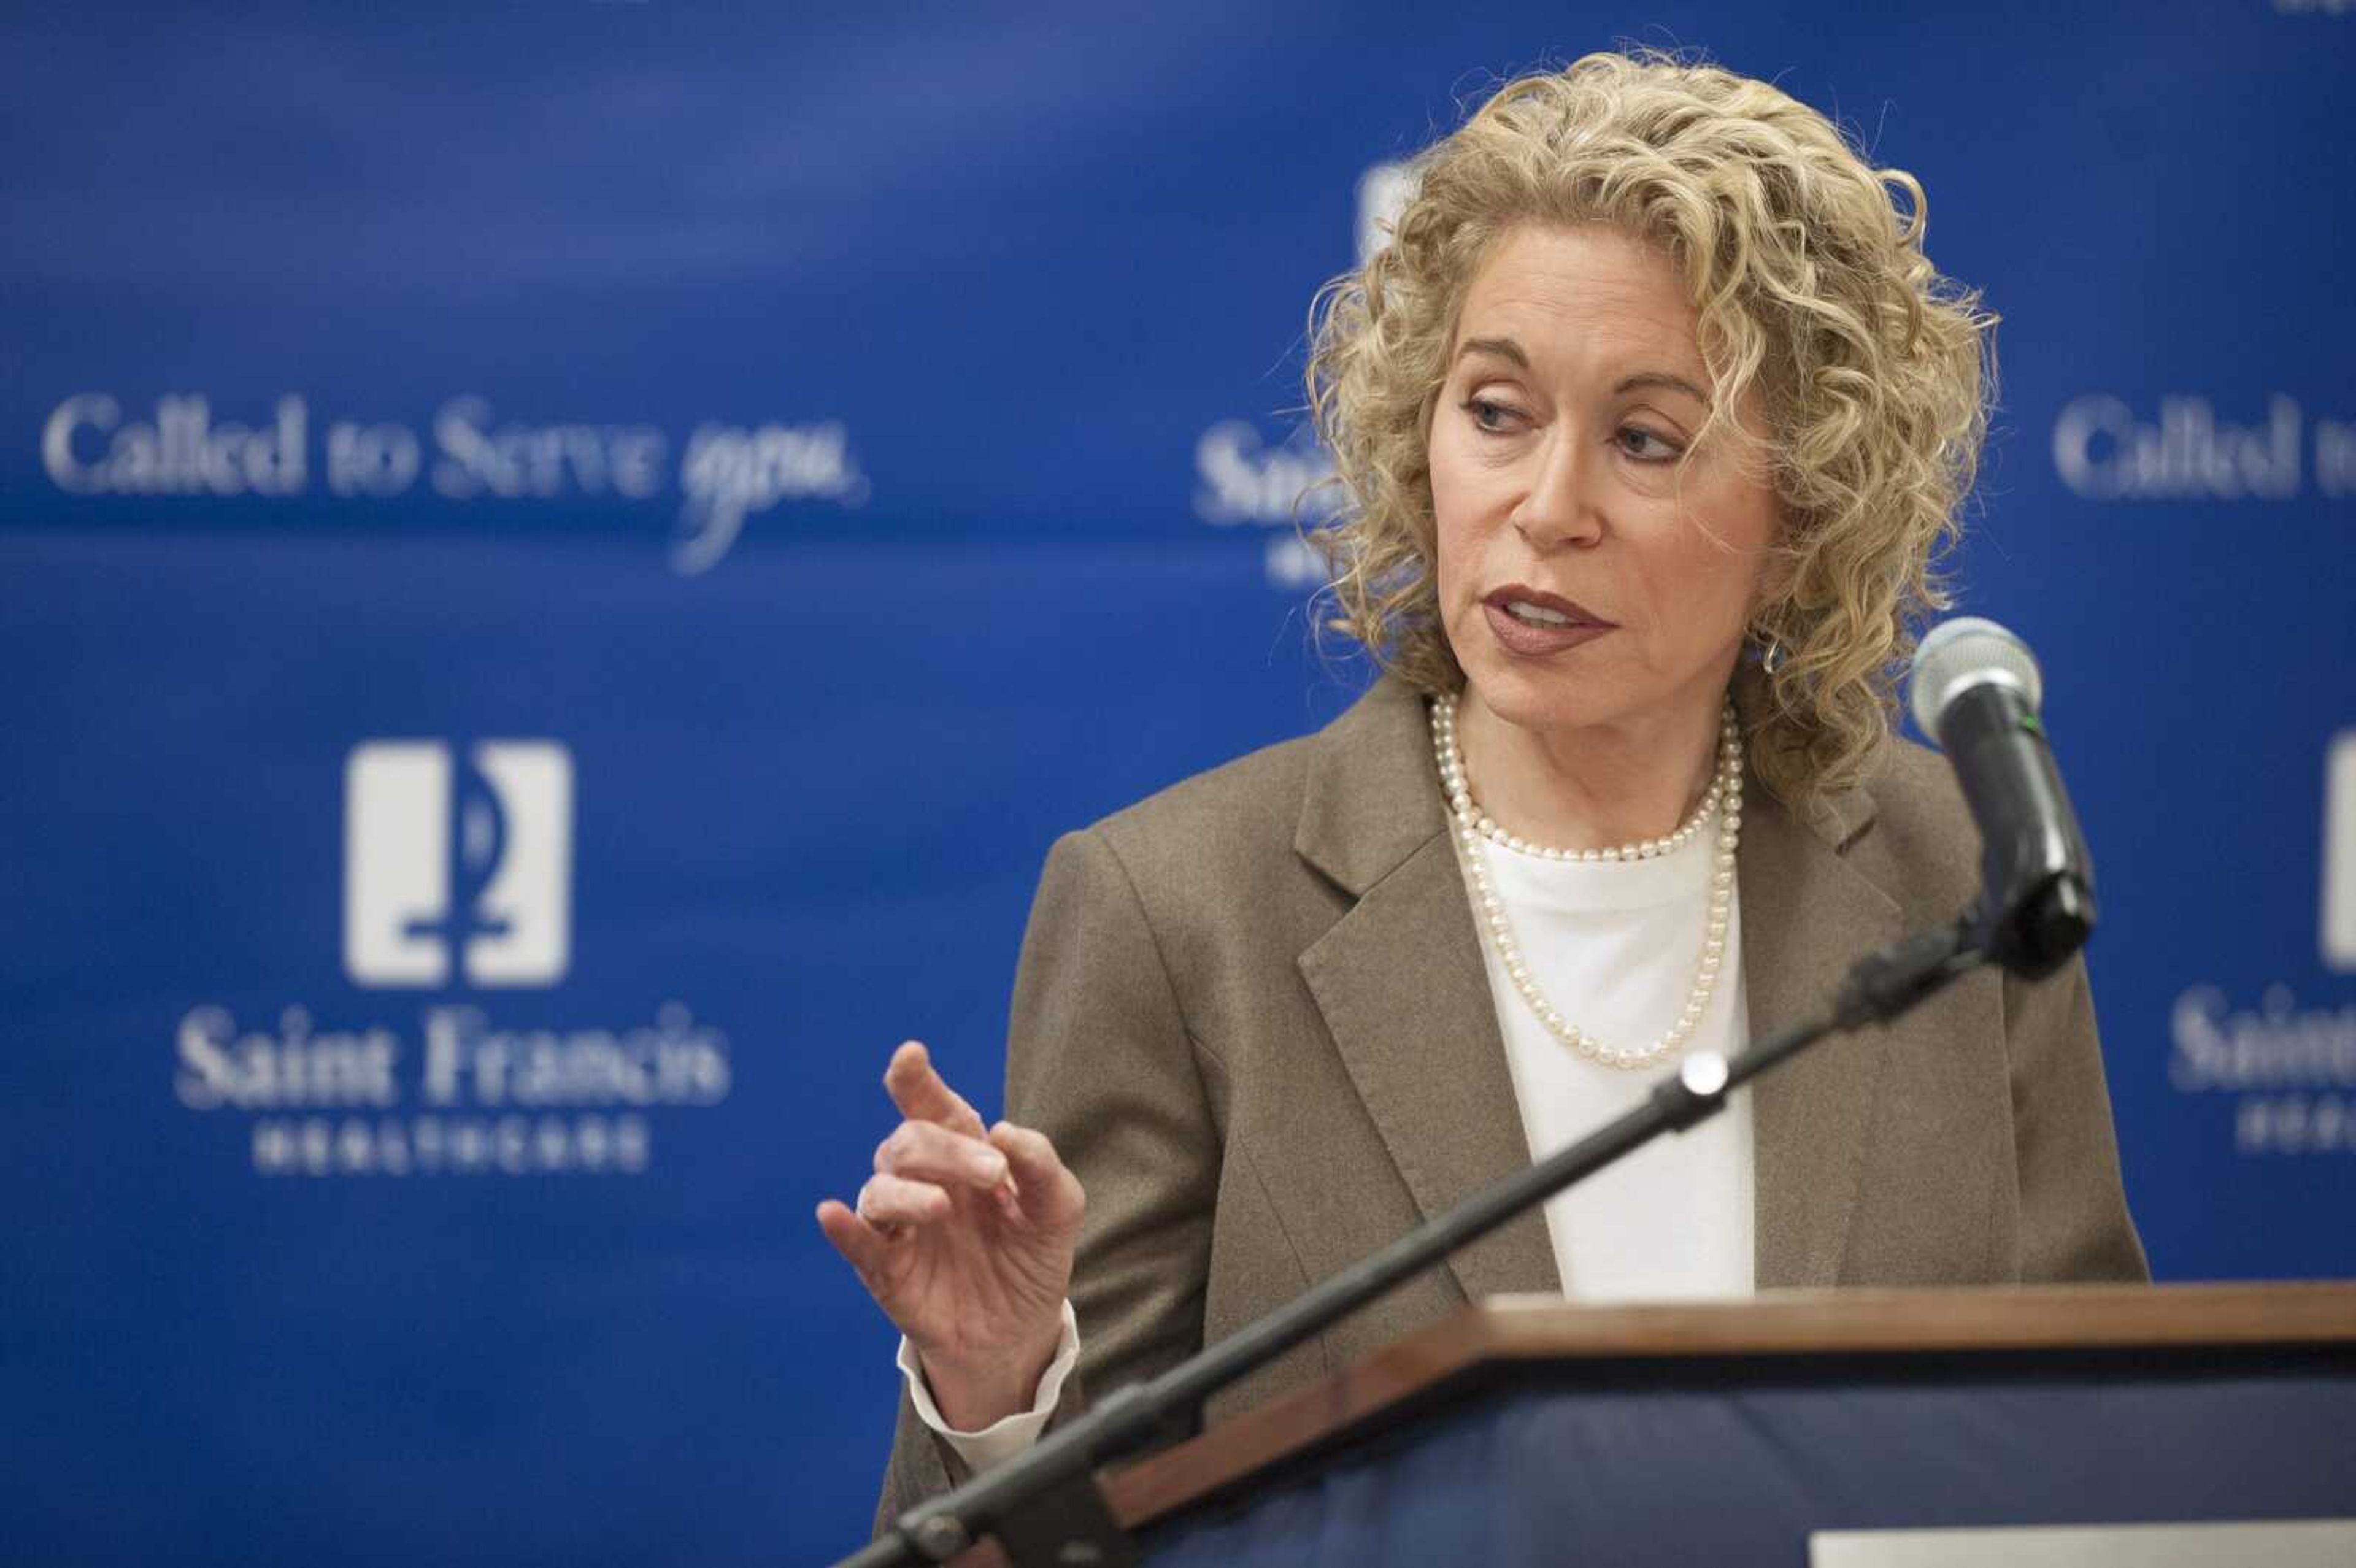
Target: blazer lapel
point(1807, 914)
point(1402, 983)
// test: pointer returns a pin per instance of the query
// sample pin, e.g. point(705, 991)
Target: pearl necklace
point(1725, 797)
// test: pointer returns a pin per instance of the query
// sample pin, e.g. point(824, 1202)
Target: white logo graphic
point(2339, 936)
point(1384, 192)
point(2292, 1068)
point(1285, 484)
point(472, 860)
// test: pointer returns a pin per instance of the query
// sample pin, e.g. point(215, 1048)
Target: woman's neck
point(1592, 787)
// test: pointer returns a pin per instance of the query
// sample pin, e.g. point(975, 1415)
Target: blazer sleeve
point(1099, 1057)
point(2074, 1224)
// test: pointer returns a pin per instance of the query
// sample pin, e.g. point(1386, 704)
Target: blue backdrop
point(561, 565)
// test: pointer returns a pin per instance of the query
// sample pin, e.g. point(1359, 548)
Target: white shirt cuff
point(1008, 1435)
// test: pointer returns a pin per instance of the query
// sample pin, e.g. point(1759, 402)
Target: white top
point(1612, 946)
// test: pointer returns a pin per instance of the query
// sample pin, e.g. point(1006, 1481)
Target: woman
point(1652, 417)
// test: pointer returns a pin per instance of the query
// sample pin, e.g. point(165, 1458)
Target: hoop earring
point(1774, 655)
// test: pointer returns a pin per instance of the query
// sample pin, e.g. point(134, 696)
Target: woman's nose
point(1557, 509)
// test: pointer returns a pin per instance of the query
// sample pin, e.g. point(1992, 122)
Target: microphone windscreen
point(1958, 654)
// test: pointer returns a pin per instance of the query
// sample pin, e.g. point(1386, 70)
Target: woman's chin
point(1515, 699)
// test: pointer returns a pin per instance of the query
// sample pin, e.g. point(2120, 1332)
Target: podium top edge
point(1860, 1323)
point(1846, 1322)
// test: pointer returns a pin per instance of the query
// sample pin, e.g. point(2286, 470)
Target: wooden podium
point(1528, 1430)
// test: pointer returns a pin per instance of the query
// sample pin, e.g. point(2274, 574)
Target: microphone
point(1974, 689)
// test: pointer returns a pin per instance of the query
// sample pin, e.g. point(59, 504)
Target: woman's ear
point(1779, 564)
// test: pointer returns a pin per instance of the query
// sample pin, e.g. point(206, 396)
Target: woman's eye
point(1488, 416)
point(1645, 446)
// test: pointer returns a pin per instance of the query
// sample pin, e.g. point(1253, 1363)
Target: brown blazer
point(1252, 1014)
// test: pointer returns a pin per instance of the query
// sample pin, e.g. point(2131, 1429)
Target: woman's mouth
point(1531, 624)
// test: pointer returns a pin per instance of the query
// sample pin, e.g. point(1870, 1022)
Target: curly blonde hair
point(1808, 282)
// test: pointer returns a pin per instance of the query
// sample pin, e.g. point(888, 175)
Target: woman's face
point(1593, 568)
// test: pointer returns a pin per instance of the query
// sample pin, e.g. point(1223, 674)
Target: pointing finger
point(921, 1094)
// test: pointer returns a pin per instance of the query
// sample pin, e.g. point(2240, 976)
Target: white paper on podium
point(2301, 1543)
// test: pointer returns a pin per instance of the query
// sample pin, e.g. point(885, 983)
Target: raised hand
point(964, 1236)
